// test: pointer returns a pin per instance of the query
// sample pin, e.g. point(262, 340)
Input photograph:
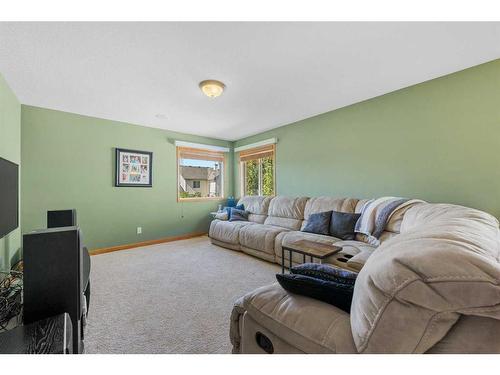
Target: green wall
point(69, 163)
point(439, 141)
point(10, 149)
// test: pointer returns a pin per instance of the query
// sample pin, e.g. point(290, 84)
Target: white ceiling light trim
point(212, 88)
point(201, 146)
point(265, 142)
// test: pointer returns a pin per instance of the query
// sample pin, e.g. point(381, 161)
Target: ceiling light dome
point(212, 88)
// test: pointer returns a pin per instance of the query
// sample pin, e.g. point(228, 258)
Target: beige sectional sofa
point(277, 221)
point(431, 286)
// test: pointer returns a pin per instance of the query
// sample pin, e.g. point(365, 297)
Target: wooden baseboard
point(104, 250)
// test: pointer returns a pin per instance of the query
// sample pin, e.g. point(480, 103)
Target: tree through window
point(257, 171)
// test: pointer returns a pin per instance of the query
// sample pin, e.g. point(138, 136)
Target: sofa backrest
point(257, 206)
point(322, 204)
point(445, 263)
point(393, 225)
point(286, 212)
point(359, 205)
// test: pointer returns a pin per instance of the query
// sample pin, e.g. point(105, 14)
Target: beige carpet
point(169, 298)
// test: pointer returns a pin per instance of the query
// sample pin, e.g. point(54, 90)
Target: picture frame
point(133, 168)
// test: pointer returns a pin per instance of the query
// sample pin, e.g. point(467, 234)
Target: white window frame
point(243, 174)
point(202, 150)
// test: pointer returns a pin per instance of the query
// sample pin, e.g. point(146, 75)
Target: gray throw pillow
point(238, 215)
point(319, 223)
point(342, 225)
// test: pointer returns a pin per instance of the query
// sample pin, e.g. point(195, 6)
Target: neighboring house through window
point(200, 173)
point(257, 167)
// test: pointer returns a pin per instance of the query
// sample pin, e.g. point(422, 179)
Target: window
point(200, 173)
point(257, 171)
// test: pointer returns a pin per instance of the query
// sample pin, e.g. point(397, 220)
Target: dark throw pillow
point(319, 223)
point(238, 215)
point(228, 210)
point(325, 272)
point(337, 294)
point(342, 225)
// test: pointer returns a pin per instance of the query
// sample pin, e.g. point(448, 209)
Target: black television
point(9, 196)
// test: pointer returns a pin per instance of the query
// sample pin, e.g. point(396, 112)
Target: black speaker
point(53, 280)
point(61, 218)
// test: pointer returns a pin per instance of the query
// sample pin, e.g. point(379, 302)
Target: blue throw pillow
point(319, 223)
point(325, 272)
point(342, 225)
point(238, 215)
point(337, 294)
point(228, 210)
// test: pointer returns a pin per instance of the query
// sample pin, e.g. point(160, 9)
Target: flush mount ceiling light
point(212, 88)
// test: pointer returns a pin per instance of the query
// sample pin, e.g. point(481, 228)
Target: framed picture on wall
point(133, 168)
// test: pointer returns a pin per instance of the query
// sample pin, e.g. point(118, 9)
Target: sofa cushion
point(322, 204)
point(318, 223)
point(353, 255)
point(227, 231)
point(256, 206)
point(415, 286)
point(310, 325)
point(286, 212)
point(342, 225)
point(255, 218)
point(260, 237)
point(283, 222)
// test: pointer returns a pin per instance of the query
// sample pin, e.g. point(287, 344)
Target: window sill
point(200, 199)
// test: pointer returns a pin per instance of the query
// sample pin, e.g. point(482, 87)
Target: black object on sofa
point(325, 272)
point(317, 282)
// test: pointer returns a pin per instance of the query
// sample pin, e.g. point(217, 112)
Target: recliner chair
point(433, 288)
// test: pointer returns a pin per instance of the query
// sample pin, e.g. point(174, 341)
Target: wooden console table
point(308, 248)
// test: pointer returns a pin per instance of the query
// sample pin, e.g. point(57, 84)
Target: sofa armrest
point(289, 318)
point(235, 325)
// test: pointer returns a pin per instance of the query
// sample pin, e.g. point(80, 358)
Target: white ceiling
point(276, 73)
